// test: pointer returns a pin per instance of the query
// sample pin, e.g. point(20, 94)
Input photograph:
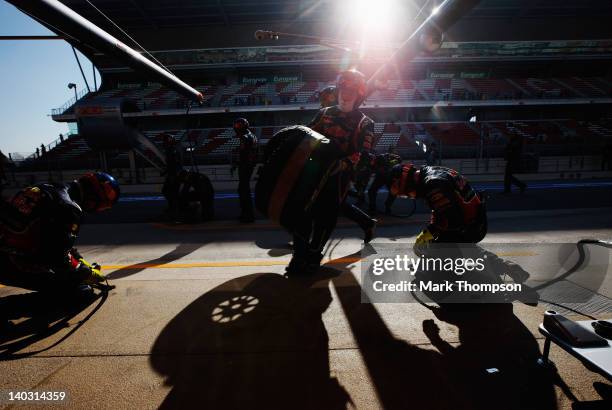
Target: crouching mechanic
point(38, 230)
point(458, 213)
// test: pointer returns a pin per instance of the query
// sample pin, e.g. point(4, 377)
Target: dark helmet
point(98, 191)
point(327, 96)
point(241, 125)
point(401, 181)
point(353, 79)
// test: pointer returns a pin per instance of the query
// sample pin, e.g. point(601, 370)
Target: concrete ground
point(202, 317)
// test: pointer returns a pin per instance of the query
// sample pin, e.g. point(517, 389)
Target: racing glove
point(424, 238)
point(91, 272)
point(422, 241)
point(88, 273)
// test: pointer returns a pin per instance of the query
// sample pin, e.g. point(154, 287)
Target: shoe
point(372, 211)
point(314, 262)
point(307, 264)
point(368, 232)
point(247, 219)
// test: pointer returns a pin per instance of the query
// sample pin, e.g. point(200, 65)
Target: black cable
point(581, 257)
point(128, 36)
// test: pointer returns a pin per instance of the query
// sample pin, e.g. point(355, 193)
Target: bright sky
point(34, 77)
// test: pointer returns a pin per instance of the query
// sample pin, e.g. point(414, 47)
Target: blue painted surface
point(491, 186)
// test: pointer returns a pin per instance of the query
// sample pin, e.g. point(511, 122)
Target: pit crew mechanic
point(458, 213)
point(39, 227)
point(246, 161)
point(351, 131)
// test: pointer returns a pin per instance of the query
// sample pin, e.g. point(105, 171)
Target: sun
point(374, 21)
point(373, 13)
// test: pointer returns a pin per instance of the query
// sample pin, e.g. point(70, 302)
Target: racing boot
point(297, 266)
point(314, 261)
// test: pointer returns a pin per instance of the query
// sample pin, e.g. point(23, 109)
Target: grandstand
point(214, 146)
point(155, 97)
point(532, 80)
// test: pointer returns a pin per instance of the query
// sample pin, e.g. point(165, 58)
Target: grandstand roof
point(157, 14)
point(199, 24)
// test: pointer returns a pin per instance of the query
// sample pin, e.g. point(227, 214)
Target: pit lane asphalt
point(201, 317)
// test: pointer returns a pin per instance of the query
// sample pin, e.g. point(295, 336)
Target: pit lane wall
point(149, 180)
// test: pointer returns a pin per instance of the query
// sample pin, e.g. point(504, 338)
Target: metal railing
point(19, 157)
point(69, 103)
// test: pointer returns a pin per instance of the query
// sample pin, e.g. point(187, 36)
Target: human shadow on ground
point(257, 341)
point(494, 363)
point(403, 375)
point(28, 318)
point(277, 247)
point(412, 376)
point(179, 252)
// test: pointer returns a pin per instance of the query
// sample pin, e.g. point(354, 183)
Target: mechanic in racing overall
point(383, 163)
point(458, 213)
point(363, 168)
point(38, 229)
point(351, 132)
point(246, 161)
point(359, 173)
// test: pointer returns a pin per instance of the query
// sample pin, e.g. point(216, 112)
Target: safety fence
point(555, 167)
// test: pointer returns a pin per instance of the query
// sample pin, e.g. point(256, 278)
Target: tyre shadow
point(257, 341)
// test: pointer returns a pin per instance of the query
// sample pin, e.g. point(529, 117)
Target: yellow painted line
point(221, 264)
point(238, 264)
